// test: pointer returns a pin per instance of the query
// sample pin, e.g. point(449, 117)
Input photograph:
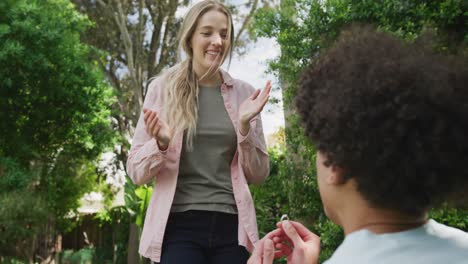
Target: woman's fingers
point(149, 115)
point(148, 120)
point(157, 129)
point(262, 99)
point(263, 103)
point(256, 257)
point(146, 115)
point(261, 94)
point(268, 88)
point(153, 125)
point(255, 94)
point(266, 91)
point(268, 252)
point(152, 122)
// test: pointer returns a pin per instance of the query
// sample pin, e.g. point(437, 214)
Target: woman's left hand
point(264, 252)
point(252, 106)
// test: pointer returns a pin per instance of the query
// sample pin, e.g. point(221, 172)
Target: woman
point(200, 138)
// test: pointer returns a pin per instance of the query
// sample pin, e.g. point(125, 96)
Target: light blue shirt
point(432, 243)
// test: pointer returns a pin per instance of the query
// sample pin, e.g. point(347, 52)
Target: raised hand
point(157, 128)
point(252, 106)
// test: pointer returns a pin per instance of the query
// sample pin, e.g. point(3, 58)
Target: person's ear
point(336, 177)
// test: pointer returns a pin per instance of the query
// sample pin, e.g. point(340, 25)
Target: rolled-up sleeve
point(145, 159)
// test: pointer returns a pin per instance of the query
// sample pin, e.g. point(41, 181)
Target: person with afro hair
point(389, 120)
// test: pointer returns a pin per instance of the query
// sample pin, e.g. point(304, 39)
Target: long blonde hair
point(181, 93)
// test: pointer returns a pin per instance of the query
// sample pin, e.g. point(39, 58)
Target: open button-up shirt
point(147, 163)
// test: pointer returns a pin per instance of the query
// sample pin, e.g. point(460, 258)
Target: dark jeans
point(203, 237)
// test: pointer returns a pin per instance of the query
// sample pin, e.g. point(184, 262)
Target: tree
point(303, 28)
point(55, 121)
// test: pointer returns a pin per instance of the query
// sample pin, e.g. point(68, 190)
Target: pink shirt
point(147, 163)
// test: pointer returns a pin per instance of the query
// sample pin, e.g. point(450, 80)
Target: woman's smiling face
point(209, 41)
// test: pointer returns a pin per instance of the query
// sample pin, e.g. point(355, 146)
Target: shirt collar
point(227, 79)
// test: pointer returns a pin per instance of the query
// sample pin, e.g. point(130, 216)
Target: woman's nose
point(217, 39)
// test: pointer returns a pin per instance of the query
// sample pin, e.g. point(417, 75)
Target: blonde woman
point(200, 138)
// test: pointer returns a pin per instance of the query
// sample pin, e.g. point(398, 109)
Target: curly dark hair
point(392, 115)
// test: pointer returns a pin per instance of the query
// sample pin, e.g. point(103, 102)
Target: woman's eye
point(205, 33)
point(224, 36)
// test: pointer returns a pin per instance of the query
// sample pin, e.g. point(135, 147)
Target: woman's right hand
point(157, 128)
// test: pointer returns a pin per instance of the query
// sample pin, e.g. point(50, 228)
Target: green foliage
point(144, 195)
point(83, 256)
point(456, 217)
point(303, 28)
point(11, 261)
point(64, 186)
point(137, 199)
point(51, 96)
point(303, 34)
point(54, 107)
point(23, 211)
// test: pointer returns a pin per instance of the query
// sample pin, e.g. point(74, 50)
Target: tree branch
point(246, 22)
point(154, 44)
point(121, 20)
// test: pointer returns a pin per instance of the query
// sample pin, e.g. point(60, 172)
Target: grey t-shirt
point(204, 181)
point(432, 243)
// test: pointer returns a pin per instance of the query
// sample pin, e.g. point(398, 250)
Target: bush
point(83, 256)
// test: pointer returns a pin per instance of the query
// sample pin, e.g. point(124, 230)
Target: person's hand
point(252, 106)
point(297, 243)
point(264, 252)
point(157, 128)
